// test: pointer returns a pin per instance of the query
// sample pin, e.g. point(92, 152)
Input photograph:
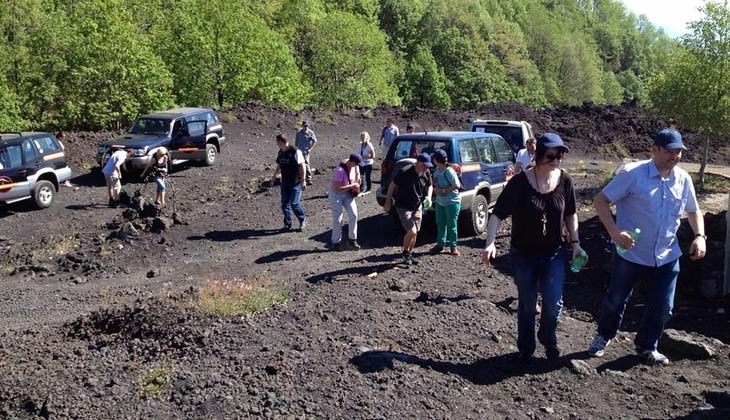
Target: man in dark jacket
point(291, 165)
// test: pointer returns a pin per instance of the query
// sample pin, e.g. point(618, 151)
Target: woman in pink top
point(344, 187)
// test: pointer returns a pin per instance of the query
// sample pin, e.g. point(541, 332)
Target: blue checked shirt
point(653, 204)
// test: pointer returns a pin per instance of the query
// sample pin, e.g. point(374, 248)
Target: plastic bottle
point(578, 262)
point(634, 235)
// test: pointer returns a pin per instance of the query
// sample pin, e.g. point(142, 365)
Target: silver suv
point(32, 166)
point(515, 132)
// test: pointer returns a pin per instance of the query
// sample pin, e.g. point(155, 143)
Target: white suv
point(515, 132)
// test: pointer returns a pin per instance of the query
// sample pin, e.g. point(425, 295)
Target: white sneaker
point(598, 346)
point(653, 357)
point(303, 224)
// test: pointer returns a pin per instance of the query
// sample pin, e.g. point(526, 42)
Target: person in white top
point(525, 157)
point(367, 153)
point(112, 171)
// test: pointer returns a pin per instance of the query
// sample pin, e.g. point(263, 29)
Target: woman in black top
point(541, 202)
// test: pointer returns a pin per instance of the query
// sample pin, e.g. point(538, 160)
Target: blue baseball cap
point(669, 139)
point(552, 140)
point(425, 159)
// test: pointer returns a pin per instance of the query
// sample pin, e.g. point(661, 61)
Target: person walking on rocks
point(387, 136)
point(541, 202)
point(650, 196)
point(367, 153)
point(291, 165)
point(344, 188)
point(112, 171)
point(410, 129)
point(305, 141)
point(447, 204)
point(411, 188)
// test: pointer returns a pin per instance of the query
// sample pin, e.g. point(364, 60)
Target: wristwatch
point(700, 235)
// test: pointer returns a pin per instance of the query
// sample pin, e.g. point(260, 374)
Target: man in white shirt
point(389, 133)
point(525, 157)
point(112, 171)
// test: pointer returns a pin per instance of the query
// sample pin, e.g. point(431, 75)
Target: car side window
point(178, 128)
point(503, 150)
point(485, 150)
point(468, 151)
point(11, 157)
point(46, 144)
point(210, 117)
point(196, 128)
point(29, 151)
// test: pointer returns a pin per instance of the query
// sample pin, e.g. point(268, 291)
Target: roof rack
point(10, 135)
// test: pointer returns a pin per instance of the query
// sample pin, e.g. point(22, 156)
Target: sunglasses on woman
point(549, 157)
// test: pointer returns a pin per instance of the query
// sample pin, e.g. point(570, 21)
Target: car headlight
point(140, 152)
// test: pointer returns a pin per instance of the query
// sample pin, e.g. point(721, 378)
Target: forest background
point(96, 64)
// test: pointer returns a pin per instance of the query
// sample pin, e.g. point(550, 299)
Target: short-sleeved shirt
point(341, 177)
point(389, 134)
point(523, 158)
point(533, 211)
point(445, 179)
point(365, 150)
point(304, 140)
point(116, 159)
point(412, 187)
point(289, 160)
point(653, 204)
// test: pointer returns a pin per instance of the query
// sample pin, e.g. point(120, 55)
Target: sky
point(671, 15)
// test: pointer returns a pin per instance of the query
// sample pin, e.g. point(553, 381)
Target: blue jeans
point(543, 273)
point(291, 194)
point(661, 282)
point(447, 218)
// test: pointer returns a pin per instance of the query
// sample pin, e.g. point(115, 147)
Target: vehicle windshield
point(150, 126)
point(412, 148)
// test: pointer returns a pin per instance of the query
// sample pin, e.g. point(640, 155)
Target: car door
point(471, 169)
point(504, 156)
point(13, 175)
point(188, 139)
point(494, 171)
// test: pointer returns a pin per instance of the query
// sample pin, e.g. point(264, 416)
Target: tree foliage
point(695, 88)
point(98, 63)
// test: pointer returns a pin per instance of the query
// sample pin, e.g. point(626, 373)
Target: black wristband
point(699, 235)
point(574, 242)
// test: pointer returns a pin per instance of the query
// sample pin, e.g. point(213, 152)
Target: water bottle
point(634, 235)
point(578, 262)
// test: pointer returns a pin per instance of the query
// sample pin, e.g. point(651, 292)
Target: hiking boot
point(552, 353)
point(455, 251)
point(598, 346)
point(337, 246)
point(652, 357)
point(407, 258)
point(436, 250)
point(353, 244)
point(285, 229)
point(303, 224)
point(525, 359)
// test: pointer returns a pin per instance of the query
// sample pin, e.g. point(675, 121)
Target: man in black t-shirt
point(291, 165)
point(411, 187)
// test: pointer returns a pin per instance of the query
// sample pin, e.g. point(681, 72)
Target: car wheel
point(44, 194)
point(479, 214)
point(210, 153)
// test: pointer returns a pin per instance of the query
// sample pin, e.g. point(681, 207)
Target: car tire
point(210, 154)
point(44, 194)
point(479, 214)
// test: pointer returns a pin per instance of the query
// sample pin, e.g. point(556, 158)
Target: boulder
point(682, 344)
point(160, 224)
point(581, 367)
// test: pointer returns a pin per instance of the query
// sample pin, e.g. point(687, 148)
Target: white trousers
point(339, 202)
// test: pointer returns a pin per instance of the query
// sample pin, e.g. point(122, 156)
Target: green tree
point(349, 63)
point(222, 54)
point(695, 89)
point(424, 82)
point(113, 74)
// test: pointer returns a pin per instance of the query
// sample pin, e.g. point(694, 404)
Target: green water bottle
point(578, 262)
point(634, 235)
